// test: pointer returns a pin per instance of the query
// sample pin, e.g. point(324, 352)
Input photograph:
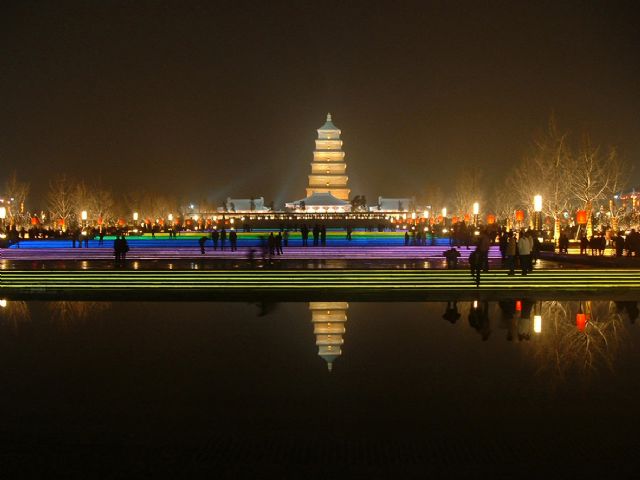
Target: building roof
point(328, 125)
point(394, 204)
point(245, 205)
point(324, 199)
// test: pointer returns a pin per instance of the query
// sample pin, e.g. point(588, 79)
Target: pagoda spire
point(328, 169)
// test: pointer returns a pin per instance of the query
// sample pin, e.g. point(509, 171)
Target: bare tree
point(469, 189)
point(591, 177)
point(16, 193)
point(60, 200)
point(544, 173)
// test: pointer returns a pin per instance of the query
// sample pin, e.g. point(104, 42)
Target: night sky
point(223, 98)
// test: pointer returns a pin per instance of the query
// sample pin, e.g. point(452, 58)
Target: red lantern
point(491, 218)
point(99, 220)
point(34, 220)
point(467, 218)
point(440, 218)
point(519, 215)
point(121, 222)
point(518, 306)
point(454, 219)
point(581, 217)
point(581, 321)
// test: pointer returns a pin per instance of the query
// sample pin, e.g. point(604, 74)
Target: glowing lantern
point(467, 218)
point(491, 218)
point(581, 217)
point(34, 220)
point(440, 218)
point(581, 321)
point(518, 306)
point(519, 215)
point(121, 222)
point(454, 219)
point(99, 220)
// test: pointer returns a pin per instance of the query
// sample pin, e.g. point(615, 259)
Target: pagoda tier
point(329, 320)
point(328, 170)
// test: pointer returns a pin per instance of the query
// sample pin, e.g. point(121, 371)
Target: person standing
point(223, 239)
point(484, 242)
point(279, 244)
point(201, 242)
point(271, 241)
point(524, 252)
point(215, 235)
point(510, 253)
point(124, 249)
point(233, 239)
point(316, 235)
point(117, 250)
point(304, 232)
point(323, 235)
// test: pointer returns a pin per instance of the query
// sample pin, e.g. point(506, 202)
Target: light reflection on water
point(559, 337)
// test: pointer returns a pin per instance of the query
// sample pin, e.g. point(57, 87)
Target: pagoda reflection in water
point(329, 320)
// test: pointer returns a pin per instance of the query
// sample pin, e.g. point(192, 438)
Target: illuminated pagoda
point(327, 190)
point(328, 169)
point(329, 320)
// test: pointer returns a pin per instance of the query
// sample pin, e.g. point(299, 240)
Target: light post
point(537, 208)
point(135, 217)
point(83, 215)
point(476, 211)
point(3, 214)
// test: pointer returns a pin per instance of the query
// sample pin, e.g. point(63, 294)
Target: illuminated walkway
point(334, 284)
point(291, 253)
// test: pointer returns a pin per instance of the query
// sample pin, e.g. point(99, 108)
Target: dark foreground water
point(229, 390)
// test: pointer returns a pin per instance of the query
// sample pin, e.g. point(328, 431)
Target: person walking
point(316, 235)
point(304, 233)
point(279, 244)
point(201, 242)
point(124, 249)
point(483, 244)
point(323, 235)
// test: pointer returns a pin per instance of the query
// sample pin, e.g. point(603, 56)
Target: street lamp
point(537, 208)
point(83, 215)
point(135, 216)
point(476, 211)
point(3, 214)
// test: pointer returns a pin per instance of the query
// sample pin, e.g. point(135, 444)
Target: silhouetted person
point(201, 242)
point(475, 265)
point(323, 235)
point(86, 240)
point(271, 242)
point(451, 313)
point(233, 240)
point(349, 230)
point(223, 239)
point(215, 235)
point(483, 244)
point(285, 237)
point(316, 235)
point(117, 250)
point(304, 233)
point(101, 238)
point(406, 239)
point(451, 256)
point(279, 244)
point(125, 248)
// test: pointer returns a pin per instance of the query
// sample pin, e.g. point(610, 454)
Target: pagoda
point(328, 170)
point(328, 320)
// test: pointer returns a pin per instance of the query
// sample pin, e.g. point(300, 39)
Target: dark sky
point(223, 98)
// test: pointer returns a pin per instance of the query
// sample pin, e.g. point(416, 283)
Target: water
point(102, 389)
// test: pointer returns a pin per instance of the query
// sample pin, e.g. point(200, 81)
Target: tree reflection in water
point(564, 347)
point(67, 312)
point(13, 313)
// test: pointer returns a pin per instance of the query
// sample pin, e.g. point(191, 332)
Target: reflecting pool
point(324, 389)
